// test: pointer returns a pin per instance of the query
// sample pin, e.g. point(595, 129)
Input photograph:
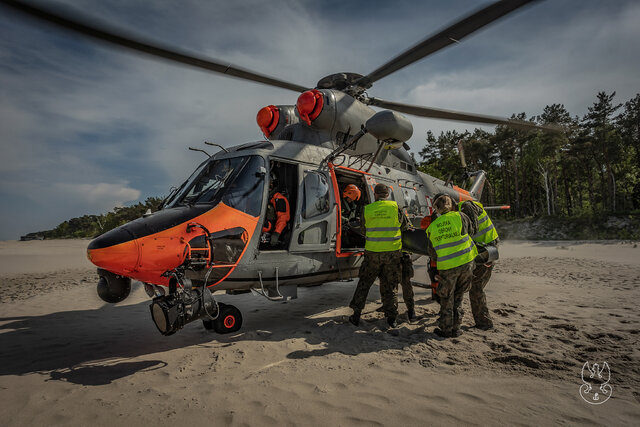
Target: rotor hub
point(350, 83)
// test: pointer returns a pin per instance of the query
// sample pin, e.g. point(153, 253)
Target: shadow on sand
point(94, 347)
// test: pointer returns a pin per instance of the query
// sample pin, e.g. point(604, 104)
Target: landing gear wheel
point(208, 323)
point(229, 320)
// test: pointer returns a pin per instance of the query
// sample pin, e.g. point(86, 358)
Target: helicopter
point(209, 234)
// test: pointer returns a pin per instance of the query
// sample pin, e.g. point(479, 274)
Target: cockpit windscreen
point(236, 182)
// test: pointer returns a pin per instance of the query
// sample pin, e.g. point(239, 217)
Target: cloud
point(101, 195)
point(35, 205)
point(84, 127)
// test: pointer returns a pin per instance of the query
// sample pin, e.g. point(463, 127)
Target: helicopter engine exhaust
point(172, 312)
point(113, 288)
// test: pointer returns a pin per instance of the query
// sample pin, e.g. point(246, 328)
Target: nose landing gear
point(229, 320)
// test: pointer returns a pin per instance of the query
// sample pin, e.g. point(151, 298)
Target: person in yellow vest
point(383, 223)
point(485, 236)
point(450, 244)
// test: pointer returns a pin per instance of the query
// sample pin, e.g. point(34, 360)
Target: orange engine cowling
point(309, 105)
point(272, 119)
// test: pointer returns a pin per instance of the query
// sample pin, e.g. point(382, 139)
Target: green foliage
point(585, 227)
point(589, 170)
point(94, 225)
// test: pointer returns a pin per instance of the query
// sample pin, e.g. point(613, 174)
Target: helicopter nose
point(116, 251)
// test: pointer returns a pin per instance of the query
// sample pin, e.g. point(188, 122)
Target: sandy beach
point(68, 358)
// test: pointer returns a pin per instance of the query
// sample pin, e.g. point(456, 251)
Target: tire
point(229, 320)
point(208, 324)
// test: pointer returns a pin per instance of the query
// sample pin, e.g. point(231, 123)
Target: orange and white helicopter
point(209, 234)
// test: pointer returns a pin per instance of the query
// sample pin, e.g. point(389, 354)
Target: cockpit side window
point(245, 191)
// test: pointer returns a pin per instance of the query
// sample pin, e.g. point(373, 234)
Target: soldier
point(486, 236)
point(454, 251)
point(383, 223)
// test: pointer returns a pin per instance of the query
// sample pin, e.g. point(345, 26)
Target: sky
point(85, 127)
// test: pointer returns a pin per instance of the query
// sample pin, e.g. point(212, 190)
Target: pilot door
point(314, 223)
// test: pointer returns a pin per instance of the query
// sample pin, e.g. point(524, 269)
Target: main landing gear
point(229, 320)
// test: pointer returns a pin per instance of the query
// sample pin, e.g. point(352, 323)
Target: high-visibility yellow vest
point(486, 230)
point(452, 247)
point(382, 227)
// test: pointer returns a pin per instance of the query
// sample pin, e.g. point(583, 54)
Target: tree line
point(590, 169)
point(94, 225)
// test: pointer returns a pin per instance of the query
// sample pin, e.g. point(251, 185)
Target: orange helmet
point(352, 192)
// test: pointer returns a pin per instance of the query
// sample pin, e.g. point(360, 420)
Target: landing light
point(310, 105)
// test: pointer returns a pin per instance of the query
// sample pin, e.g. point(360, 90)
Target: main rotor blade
point(437, 113)
point(118, 38)
point(452, 34)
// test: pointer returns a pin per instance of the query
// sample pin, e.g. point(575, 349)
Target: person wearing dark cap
point(450, 244)
point(383, 224)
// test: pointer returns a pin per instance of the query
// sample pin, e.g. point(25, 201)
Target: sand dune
point(70, 359)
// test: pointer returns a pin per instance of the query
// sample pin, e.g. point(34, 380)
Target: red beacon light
point(310, 105)
point(268, 119)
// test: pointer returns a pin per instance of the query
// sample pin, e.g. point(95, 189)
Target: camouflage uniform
point(453, 284)
point(477, 297)
point(383, 265)
point(407, 288)
point(481, 276)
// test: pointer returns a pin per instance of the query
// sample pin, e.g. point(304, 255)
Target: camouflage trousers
point(407, 274)
point(477, 297)
point(386, 267)
point(454, 283)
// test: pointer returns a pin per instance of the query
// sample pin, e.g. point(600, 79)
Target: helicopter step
point(279, 293)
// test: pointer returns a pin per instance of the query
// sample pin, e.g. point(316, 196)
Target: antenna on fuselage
point(213, 144)
point(199, 149)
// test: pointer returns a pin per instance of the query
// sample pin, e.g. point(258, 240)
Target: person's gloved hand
point(275, 238)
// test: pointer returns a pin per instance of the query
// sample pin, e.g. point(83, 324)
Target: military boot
point(411, 314)
point(355, 318)
point(391, 321)
point(485, 326)
point(439, 332)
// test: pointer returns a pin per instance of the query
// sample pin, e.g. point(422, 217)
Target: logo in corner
point(595, 388)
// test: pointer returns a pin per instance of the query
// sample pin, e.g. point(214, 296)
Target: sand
point(69, 359)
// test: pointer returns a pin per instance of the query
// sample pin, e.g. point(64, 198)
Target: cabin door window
point(314, 226)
